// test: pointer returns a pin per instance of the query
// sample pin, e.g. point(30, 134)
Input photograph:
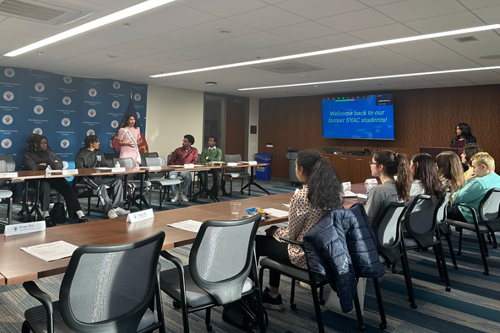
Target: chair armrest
point(182, 279)
point(291, 241)
point(43, 298)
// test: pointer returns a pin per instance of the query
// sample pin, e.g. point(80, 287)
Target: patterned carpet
point(472, 305)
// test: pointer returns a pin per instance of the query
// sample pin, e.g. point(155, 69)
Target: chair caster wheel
point(176, 304)
point(448, 288)
point(486, 273)
point(322, 302)
point(242, 192)
point(382, 326)
point(394, 271)
point(413, 306)
point(293, 306)
point(455, 267)
point(209, 328)
point(362, 328)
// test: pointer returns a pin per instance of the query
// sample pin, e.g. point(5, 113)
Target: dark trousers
point(453, 213)
point(216, 180)
point(267, 246)
point(63, 187)
point(99, 185)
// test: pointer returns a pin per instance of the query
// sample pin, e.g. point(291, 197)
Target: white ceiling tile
point(262, 39)
point(441, 59)
point(134, 48)
point(226, 7)
point(314, 9)
point(358, 20)
point(291, 48)
point(304, 30)
point(212, 49)
point(179, 15)
point(159, 44)
point(190, 37)
point(445, 23)
point(476, 4)
point(414, 46)
point(386, 32)
point(268, 18)
point(490, 15)
point(334, 41)
point(373, 3)
point(236, 29)
point(418, 9)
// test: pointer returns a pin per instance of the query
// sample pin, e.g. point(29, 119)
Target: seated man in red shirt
point(187, 154)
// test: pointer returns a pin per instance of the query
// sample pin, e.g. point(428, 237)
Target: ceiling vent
point(45, 12)
point(466, 39)
point(289, 68)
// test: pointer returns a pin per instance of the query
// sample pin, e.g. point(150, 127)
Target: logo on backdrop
point(66, 100)
point(65, 164)
point(39, 87)
point(90, 132)
point(115, 104)
point(7, 119)
point(116, 85)
point(64, 143)
point(114, 124)
point(67, 79)
point(137, 97)
point(137, 115)
point(92, 92)
point(111, 144)
point(91, 113)
point(9, 72)
point(6, 143)
point(38, 130)
point(38, 109)
point(8, 96)
point(65, 122)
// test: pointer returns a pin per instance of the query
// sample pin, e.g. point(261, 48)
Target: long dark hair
point(396, 164)
point(425, 171)
point(450, 170)
point(466, 131)
point(322, 180)
point(127, 117)
point(470, 150)
point(34, 141)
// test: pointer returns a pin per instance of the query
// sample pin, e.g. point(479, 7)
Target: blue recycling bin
point(263, 172)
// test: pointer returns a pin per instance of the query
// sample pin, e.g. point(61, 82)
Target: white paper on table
point(103, 168)
point(189, 225)
point(349, 194)
point(276, 212)
point(176, 166)
point(51, 251)
point(362, 196)
point(286, 205)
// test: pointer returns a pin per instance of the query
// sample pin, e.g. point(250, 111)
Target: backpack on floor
point(58, 213)
point(235, 314)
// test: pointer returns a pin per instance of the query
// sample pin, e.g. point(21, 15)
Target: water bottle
point(117, 164)
point(48, 170)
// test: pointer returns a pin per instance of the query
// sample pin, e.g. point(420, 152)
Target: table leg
point(252, 182)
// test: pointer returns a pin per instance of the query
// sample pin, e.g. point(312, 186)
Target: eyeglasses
point(372, 163)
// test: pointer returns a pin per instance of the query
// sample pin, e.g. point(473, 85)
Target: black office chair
point(229, 248)
point(235, 172)
point(486, 221)
point(161, 179)
point(108, 288)
point(421, 232)
point(387, 228)
point(6, 194)
point(443, 228)
point(133, 185)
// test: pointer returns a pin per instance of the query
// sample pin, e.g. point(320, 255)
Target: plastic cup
point(235, 207)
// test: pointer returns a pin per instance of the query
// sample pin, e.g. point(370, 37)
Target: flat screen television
point(359, 117)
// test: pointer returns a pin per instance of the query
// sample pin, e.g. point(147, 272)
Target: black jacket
point(32, 160)
point(342, 246)
point(90, 159)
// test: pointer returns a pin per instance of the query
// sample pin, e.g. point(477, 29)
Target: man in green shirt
point(212, 154)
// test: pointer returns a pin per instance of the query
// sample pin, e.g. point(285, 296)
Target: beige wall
point(171, 114)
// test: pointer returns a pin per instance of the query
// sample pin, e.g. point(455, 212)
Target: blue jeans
point(186, 176)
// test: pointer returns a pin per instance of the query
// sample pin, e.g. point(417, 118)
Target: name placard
point(8, 174)
point(140, 216)
point(189, 165)
point(70, 172)
point(120, 169)
point(152, 168)
point(24, 228)
point(232, 164)
point(252, 162)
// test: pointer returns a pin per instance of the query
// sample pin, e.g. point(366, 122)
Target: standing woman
point(425, 179)
point(450, 171)
point(464, 136)
point(38, 156)
point(322, 192)
point(129, 138)
point(385, 165)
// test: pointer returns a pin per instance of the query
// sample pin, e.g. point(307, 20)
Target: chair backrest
point(155, 161)
point(3, 168)
point(232, 158)
point(109, 288)
point(419, 220)
point(387, 228)
point(222, 256)
point(126, 162)
point(442, 208)
point(146, 155)
point(489, 209)
point(9, 160)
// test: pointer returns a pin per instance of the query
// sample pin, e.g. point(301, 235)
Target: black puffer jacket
point(342, 246)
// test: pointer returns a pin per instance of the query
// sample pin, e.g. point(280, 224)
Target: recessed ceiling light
point(119, 15)
point(375, 78)
point(112, 56)
point(224, 31)
point(339, 49)
point(211, 83)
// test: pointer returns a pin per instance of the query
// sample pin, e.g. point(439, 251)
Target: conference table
point(17, 266)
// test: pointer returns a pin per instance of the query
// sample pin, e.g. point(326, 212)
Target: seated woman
point(470, 150)
point(424, 177)
point(386, 165)
point(450, 171)
point(38, 156)
point(322, 192)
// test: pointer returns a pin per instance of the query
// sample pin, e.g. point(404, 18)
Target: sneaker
point(270, 302)
point(112, 214)
point(184, 198)
point(305, 285)
point(48, 222)
point(175, 198)
point(121, 211)
point(83, 219)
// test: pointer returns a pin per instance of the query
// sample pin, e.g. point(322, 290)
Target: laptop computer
point(435, 151)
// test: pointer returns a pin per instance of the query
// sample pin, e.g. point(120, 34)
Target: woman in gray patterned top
point(322, 191)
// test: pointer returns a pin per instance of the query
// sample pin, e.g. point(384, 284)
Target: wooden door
point(235, 126)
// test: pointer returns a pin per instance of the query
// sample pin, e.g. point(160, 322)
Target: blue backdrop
point(65, 109)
